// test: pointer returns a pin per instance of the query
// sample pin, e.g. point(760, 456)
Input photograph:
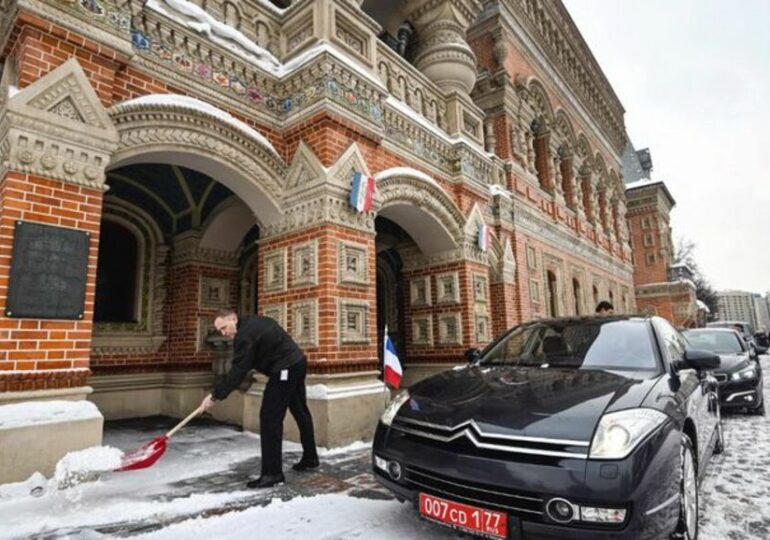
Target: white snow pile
point(35, 413)
point(34, 484)
point(85, 465)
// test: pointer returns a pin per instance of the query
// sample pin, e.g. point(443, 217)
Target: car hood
point(732, 362)
point(550, 403)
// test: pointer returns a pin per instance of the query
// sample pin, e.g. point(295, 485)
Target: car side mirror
point(699, 360)
point(473, 354)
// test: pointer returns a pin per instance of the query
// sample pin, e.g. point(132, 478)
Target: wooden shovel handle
point(184, 422)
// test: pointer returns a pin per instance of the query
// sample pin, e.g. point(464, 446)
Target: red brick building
point(662, 287)
point(201, 157)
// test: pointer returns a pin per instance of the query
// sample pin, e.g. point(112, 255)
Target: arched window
point(596, 295)
point(116, 274)
point(576, 294)
point(553, 310)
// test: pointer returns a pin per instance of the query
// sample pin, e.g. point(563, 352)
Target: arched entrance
point(189, 190)
point(417, 225)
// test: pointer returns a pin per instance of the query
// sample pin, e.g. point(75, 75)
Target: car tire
point(760, 410)
point(687, 526)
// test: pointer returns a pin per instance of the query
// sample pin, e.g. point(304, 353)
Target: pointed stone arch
point(421, 207)
point(185, 131)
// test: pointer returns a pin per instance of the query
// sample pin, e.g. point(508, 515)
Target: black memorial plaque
point(49, 267)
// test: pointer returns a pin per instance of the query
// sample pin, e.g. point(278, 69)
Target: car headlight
point(746, 373)
point(392, 409)
point(619, 432)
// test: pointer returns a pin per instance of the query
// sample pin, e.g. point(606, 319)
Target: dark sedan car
point(564, 428)
point(740, 374)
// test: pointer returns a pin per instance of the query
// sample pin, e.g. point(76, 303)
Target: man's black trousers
point(280, 395)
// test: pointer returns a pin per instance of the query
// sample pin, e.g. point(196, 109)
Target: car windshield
point(716, 342)
point(579, 344)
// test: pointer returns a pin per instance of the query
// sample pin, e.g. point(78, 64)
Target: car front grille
point(492, 497)
point(468, 438)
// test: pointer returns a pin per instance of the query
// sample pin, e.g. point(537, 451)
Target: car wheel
point(719, 445)
point(687, 527)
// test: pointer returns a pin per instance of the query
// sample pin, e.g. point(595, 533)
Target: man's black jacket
point(261, 344)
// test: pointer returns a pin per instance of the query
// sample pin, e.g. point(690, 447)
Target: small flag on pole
point(483, 239)
point(362, 192)
point(391, 365)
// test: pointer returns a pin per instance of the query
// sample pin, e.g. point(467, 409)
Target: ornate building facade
point(171, 158)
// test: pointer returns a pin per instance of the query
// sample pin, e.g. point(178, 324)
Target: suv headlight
point(746, 373)
point(392, 409)
point(619, 432)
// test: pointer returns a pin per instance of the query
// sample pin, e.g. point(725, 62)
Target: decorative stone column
point(577, 184)
point(558, 179)
point(442, 54)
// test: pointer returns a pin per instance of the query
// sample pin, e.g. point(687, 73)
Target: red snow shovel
point(147, 455)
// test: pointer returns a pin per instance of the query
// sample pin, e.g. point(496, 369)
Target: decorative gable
point(57, 128)
point(305, 169)
point(350, 162)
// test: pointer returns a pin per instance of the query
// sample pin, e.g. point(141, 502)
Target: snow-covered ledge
point(35, 435)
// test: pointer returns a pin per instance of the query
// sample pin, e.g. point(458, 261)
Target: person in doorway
point(260, 343)
point(604, 309)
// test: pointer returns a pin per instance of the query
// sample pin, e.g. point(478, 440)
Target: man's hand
point(207, 403)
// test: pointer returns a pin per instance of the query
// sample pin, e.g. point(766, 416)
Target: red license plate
point(465, 517)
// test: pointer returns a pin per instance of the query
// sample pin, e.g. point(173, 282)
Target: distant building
point(763, 313)
point(662, 287)
point(737, 306)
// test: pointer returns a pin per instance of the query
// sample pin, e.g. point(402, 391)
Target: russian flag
point(391, 365)
point(362, 192)
point(483, 239)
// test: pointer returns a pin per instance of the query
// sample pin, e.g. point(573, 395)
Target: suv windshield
point(716, 342)
point(578, 344)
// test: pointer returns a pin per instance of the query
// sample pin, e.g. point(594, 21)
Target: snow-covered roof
point(405, 171)
point(34, 413)
point(191, 16)
point(496, 189)
point(410, 113)
point(642, 183)
point(187, 102)
point(702, 305)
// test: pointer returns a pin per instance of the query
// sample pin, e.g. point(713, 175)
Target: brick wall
point(44, 345)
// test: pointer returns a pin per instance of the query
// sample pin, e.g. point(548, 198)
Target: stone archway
point(417, 203)
point(188, 132)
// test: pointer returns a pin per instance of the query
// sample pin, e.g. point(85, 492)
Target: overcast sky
point(694, 78)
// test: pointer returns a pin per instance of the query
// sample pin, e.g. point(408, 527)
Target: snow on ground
point(132, 495)
point(324, 517)
point(735, 492)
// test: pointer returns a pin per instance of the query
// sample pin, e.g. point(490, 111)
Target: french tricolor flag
point(391, 365)
point(483, 239)
point(362, 192)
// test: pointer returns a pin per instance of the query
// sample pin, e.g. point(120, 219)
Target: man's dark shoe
point(266, 481)
point(305, 464)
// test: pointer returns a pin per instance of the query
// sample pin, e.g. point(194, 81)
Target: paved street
point(197, 489)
